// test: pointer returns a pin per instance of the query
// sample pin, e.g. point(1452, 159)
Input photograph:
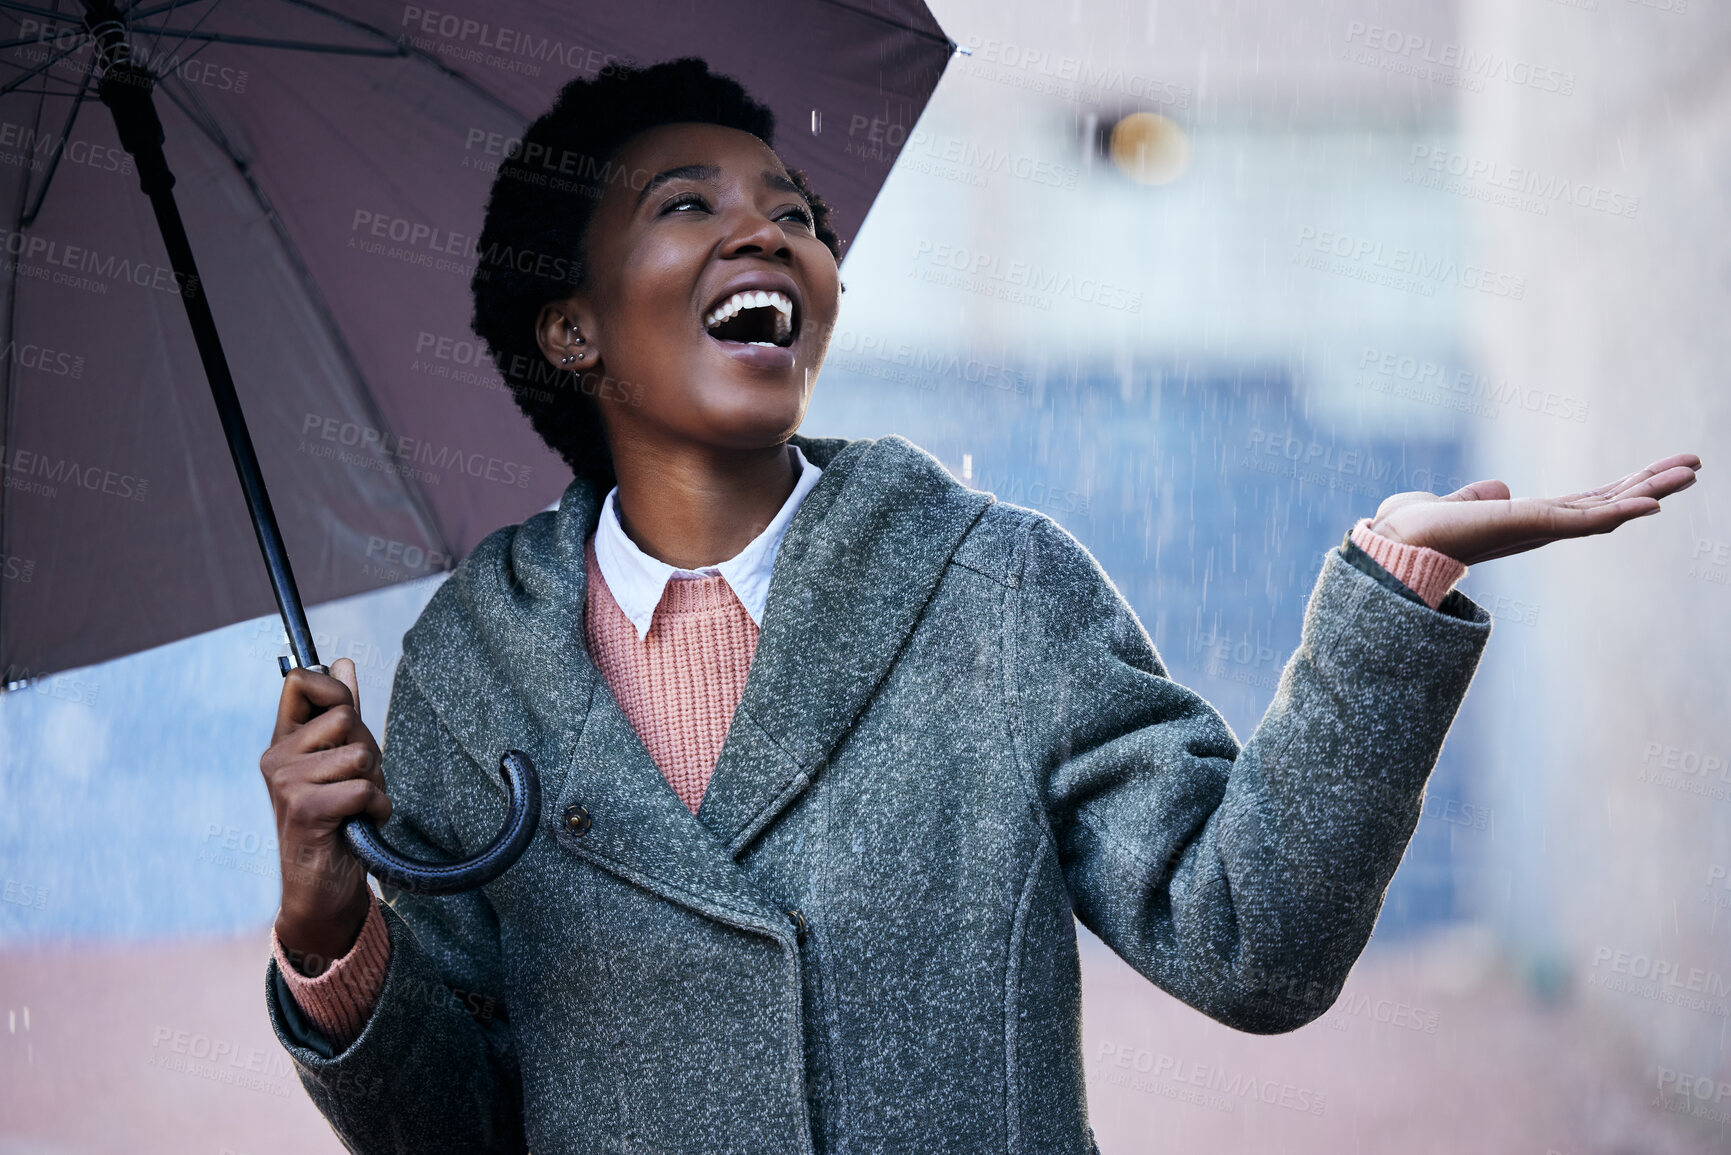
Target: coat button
point(798, 925)
point(577, 820)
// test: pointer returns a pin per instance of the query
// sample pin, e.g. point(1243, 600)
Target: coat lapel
point(640, 830)
point(860, 560)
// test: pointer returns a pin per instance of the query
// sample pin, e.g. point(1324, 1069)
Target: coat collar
point(638, 581)
point(499, 654)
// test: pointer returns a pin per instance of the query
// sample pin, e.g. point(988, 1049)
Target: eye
point(799, 213)
point(683, 201)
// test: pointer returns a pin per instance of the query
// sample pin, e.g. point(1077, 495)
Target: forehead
point(655, 150)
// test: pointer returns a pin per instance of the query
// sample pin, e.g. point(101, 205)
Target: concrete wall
point(1607, 767)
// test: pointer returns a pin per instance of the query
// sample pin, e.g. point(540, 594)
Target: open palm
point(1481, 521)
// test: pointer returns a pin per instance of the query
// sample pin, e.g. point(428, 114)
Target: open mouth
point(754, 317)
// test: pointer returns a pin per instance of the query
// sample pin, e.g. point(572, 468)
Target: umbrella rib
point(415, 53)
point(185, 34)
point(10, 85)
point(893, 23)
point(130, 14)
point(32, 10)
point(156, 45)
point(29, 216)
point(140, 13)
point(272, 42)
point(193, 55)
point(207, 125)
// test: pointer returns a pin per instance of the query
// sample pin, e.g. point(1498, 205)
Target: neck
point(692, 508)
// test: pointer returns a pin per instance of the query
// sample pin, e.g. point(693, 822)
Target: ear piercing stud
point(576, 338)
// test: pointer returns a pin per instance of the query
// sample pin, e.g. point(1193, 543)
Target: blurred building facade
point(1611, 761)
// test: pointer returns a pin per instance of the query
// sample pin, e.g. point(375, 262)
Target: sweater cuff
point(340, 1000)
point(1427, 572)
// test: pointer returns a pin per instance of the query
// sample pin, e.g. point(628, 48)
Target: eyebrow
point(709, 172)
point(775, 180)
point(683, 172)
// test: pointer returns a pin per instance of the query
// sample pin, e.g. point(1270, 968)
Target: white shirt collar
point(637, 580)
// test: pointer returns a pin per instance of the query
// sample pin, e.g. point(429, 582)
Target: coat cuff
point(1427, 572)
point(339, 1000)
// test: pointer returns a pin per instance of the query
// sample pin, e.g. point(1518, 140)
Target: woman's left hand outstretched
point(1481, 521)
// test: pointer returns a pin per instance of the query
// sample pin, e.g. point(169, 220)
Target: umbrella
point(332, 166)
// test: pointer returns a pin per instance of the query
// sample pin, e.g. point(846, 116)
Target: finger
point(1535, 522)
point(343, 670)
point(340, 764)
point(1685, 463)
point(327, 806)
point(1602, 491)
point(379, 809)
point(305, 694)
point(337, 726)
point(1574, 521)
point(1643, 483)
point(1397, 500)
point(1611, 488)
point(371, 802)
point(1661, 484)
point(1688, 460)
point(1529, 523)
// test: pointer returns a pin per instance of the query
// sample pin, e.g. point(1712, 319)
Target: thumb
point(343, 670)
point(1480, 491)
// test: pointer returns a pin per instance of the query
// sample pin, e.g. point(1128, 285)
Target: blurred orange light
point(1149, 149)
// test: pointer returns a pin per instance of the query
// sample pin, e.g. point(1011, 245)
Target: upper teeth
point(755, 299)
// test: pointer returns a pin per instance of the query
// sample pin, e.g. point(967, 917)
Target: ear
point(565, 332)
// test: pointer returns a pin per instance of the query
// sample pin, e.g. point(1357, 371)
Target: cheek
point(654, 286)
point(825, 281)
point(647, 305)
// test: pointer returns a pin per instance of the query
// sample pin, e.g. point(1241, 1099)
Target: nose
point(753, 234)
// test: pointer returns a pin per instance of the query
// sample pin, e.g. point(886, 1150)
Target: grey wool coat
point(955, 735)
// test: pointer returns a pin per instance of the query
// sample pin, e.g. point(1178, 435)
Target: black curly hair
point(531, 247)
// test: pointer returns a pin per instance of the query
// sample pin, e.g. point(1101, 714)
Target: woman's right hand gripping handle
point(322, 767)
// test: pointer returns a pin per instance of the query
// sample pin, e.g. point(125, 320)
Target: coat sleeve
point(1244, 880)
point(434, 1068)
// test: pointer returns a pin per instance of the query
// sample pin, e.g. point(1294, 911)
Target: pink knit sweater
point(679, 687)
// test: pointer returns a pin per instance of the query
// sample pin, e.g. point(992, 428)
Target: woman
point(826, 906)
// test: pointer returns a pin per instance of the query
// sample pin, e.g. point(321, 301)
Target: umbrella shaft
point(270, 543)
point(126, 91)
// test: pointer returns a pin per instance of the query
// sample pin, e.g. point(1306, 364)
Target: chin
point(763, 435)
point(751, 424)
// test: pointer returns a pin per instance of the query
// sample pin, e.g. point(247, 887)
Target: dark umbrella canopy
point(333, 200)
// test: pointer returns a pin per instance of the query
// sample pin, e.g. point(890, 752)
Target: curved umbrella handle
point(421, 877)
